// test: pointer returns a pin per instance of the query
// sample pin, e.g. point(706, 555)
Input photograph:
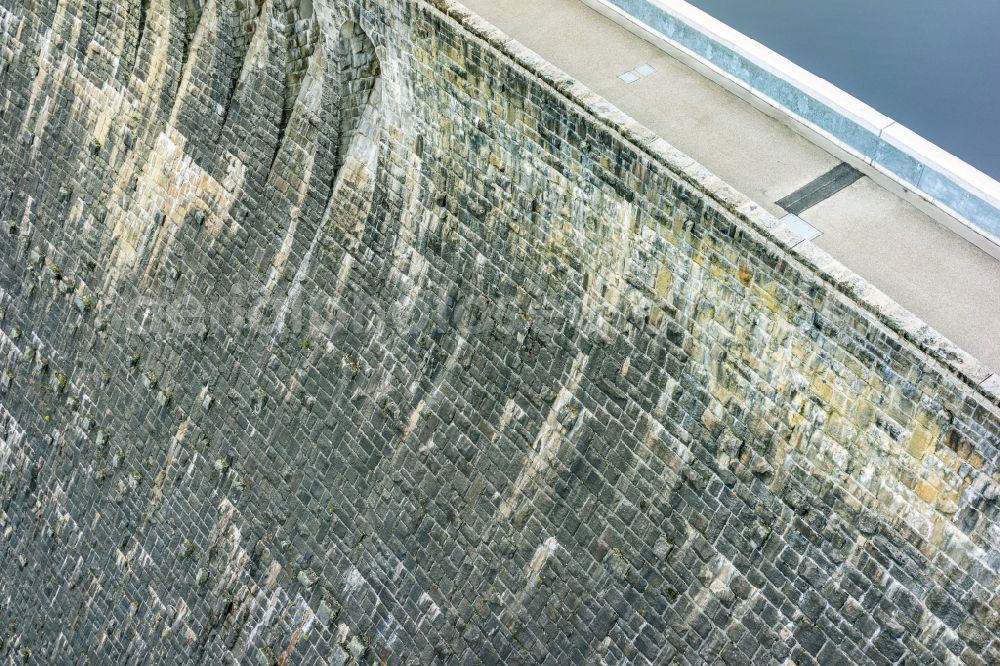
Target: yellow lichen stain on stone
point(719, 391)
point(822, 389)
point(840, 403)
point(795, 419)
point(921, 442)
point(864, 413)
point(565, 243)
point(927, 491)
point(950, 499)
point(770, 301)
point(744, 273)
point(976, 460)
point(713, 266)
point(663, 282)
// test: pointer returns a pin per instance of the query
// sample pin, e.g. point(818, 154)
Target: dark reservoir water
point(932, 65)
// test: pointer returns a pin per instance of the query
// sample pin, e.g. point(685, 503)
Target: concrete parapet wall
point(942, 179)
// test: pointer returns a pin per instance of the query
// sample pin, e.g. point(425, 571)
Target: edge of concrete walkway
point(803, 256)
point(951, 191)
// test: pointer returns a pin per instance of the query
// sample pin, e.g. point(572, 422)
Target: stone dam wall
point(349, 331)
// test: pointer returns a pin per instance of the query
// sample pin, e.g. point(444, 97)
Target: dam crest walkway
point(939, 276)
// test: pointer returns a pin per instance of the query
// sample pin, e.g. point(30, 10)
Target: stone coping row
point(803, 256)
point(945, 181)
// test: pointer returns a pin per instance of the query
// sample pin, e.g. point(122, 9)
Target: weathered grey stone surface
point(348, 331)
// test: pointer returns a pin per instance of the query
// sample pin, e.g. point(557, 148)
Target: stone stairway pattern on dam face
point(349, 331)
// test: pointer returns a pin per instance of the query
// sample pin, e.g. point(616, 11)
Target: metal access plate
point(800, 227)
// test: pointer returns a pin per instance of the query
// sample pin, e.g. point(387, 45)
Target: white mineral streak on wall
point(12, 455)
point(542, 555)
point(8, 21)
point(306, 110)
point(432, 612)
point(257, 49)
point(295, 289)
point(511, 412)
point(411, 423)
point(8, 348)
point(175, 446)
point(277, 595)
point(409, 267)
point(362, 159)
point(205, 37)
point(604, 293)
point(45, 59)
point(182, 612)
point(532, 574)
point(355, 580)
point(715, 576)
point(227, 542)
point(171, 184)
point(358, 169)
point(547, 442)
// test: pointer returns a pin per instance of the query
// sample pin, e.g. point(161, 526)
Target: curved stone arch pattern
point(356, 65)
point(347, 107)
point(359, 89)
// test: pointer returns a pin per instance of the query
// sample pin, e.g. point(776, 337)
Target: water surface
point(933, 66)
